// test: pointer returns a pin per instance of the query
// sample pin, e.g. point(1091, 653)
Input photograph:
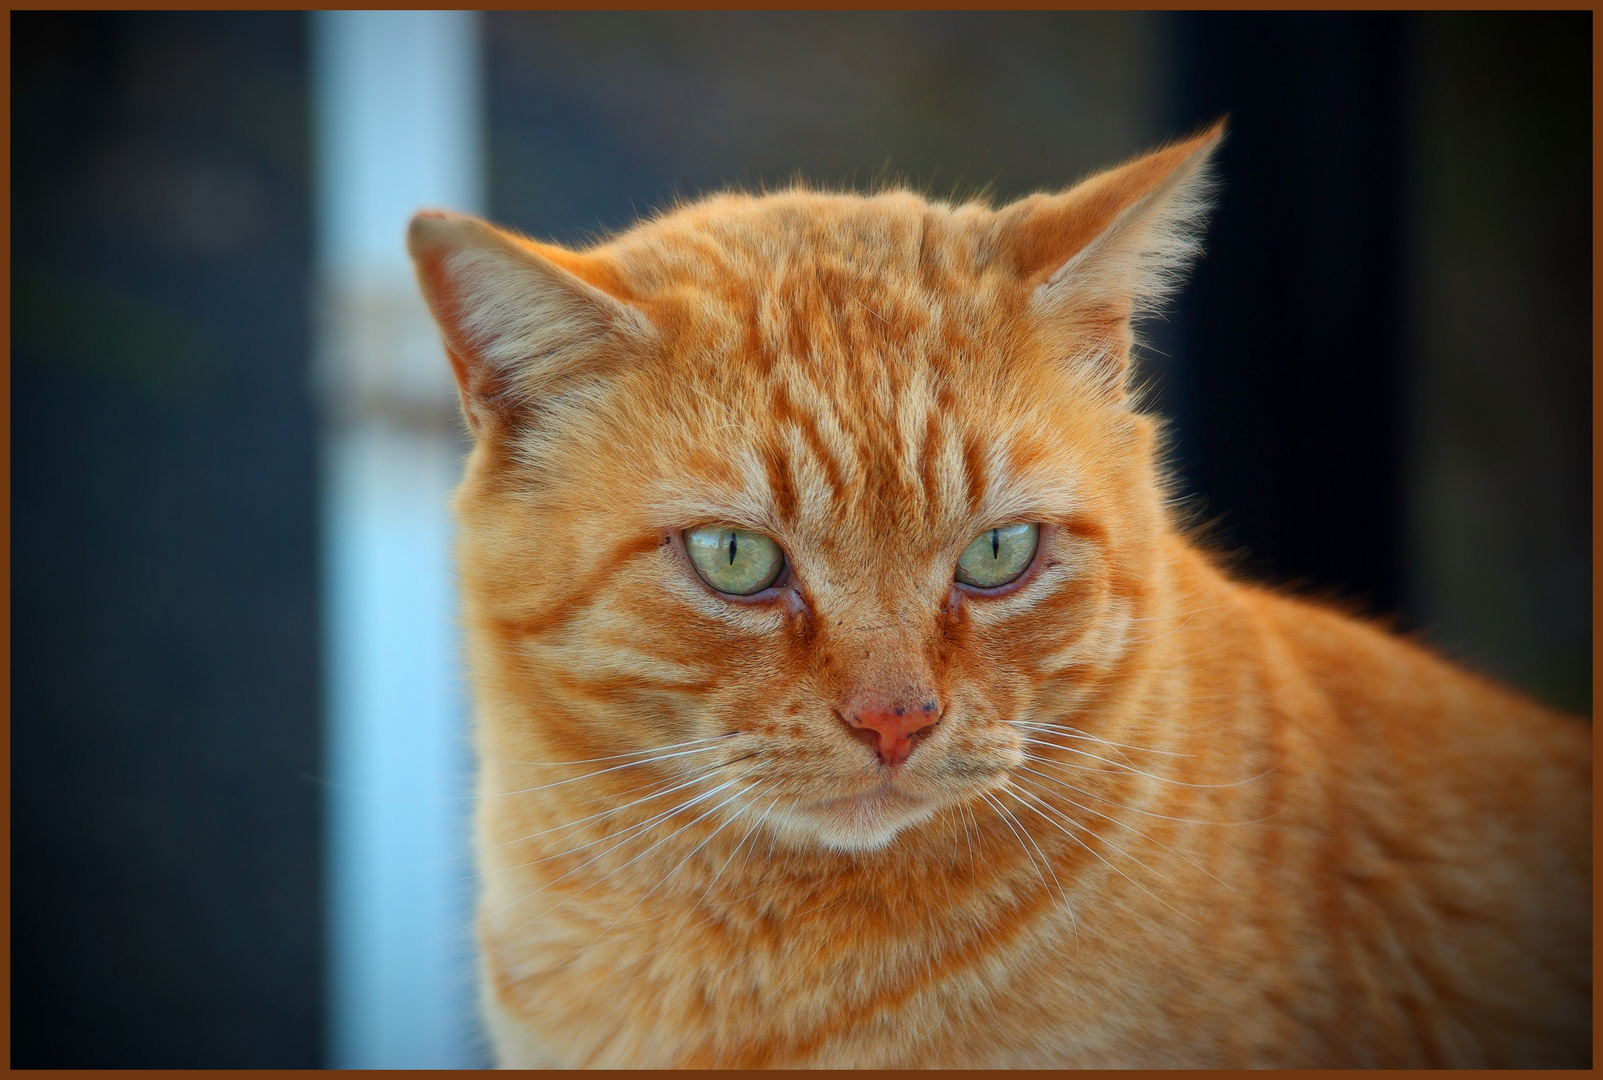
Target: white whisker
point(1120, 805)
point(1149, 776)
point(1177, 614)
point(707, 892)
point(1126, 825)
point(1021, 833)
point(968, 835)
point(614, 757)
point(643, 854)
point(1062, 896)
point(664, 879)
point(1099, 855)
point(634, 829)
point(702, 775)
point(1076, 733)
point(598, 772)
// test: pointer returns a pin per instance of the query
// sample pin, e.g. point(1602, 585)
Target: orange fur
point(1245, 830)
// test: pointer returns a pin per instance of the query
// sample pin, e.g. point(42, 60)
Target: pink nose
point(893, 726)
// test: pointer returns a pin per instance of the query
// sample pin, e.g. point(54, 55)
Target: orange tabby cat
point(847, 694)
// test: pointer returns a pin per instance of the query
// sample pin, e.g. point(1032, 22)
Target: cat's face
point(814, 496)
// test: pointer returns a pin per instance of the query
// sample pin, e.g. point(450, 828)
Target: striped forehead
point(848, 426)
point(844, 379)
point(858, 402)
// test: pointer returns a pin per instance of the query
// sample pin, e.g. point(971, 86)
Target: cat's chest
point(733, 985)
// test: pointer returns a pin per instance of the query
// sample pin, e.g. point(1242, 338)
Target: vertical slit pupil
point(731, 549)
point(996, 543)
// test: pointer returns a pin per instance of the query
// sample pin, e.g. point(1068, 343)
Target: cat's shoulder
point(1393, 688)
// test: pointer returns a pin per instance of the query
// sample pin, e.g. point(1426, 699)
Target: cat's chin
point(867, 821)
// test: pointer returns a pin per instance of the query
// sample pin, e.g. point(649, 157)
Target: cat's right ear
point(1109, 248)
point(516, 325)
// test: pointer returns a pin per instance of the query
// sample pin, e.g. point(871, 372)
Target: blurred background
point(239, 758)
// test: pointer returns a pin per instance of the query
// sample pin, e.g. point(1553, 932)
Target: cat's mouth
point(867, 819)
point(881, 799)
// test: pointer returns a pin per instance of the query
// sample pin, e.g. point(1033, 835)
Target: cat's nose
point(895, 727)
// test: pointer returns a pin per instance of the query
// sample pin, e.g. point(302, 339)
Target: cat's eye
point(733, 560)
point(998, 556)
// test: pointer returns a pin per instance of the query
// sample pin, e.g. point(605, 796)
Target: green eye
point(734, 560)
point(998, 556)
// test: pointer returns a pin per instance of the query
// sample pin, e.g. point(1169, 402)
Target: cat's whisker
point(598, 772)
point(1177, 614)
point(968, 835)
point(574, 824)
point(1153, 776)
point(622, 837)
point(1125, 767)
point(717, 874)
point(664, 879)
point(1103, 858)
point(633, 859)
point(1125, 758)
point(1116, 803)
point(697, 778)
point(688, 782)
point(870, 310)
point(1062, 896)
point(659, 791)
point(1044, 734)
point(1081, 733)
point(1059, 814)
point(634, 829)
point(1119, 805)
point(744, 837)
point(614, 757)
point(1145, 639)
point(1076, 733)
point(979, 833)
point(675, 784)
point(1127, 826)
point(1022, 834)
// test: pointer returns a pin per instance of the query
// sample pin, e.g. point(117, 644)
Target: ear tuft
point(1111, 247)
point(516, 325)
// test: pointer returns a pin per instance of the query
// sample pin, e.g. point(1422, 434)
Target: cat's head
point(817, 495)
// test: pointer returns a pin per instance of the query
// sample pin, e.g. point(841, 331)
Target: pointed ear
point(1108, 248)
point(516, 324)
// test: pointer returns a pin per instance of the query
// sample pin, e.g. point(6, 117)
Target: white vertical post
point(397, 123)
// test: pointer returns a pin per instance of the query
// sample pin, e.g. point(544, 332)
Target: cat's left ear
point(1109, 248)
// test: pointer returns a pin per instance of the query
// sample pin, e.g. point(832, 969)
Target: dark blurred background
point(1379, 378)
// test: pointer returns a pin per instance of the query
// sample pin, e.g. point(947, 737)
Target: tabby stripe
point(562, 609)
point(807, 424)
point(974, 472)
point(989, 944)
point(775, 464)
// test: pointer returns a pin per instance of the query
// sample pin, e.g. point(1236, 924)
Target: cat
point(848, 692)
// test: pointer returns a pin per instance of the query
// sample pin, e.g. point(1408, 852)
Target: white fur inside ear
point(1142, 256)
point(532, 322)
point(516, 324)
